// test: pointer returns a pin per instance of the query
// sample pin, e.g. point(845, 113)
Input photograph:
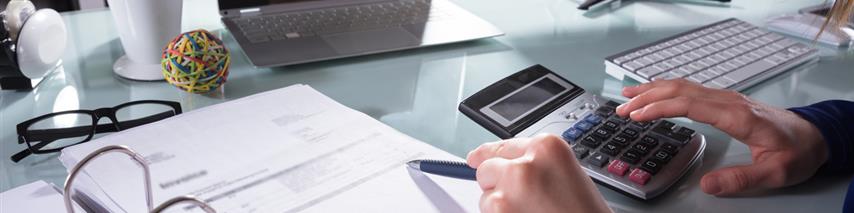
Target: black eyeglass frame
point(43, 137)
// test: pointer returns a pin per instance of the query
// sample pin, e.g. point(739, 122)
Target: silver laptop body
point(286, 32)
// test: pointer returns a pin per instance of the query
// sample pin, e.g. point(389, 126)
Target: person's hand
point(537, 174)
point(785, 148)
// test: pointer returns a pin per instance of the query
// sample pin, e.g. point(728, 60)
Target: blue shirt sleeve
point(835, 120)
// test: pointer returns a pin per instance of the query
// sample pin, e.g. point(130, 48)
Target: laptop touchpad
point(372, 40)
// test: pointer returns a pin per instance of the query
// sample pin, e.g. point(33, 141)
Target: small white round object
point(41, 43)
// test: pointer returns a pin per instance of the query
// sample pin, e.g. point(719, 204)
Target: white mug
point(145, 27)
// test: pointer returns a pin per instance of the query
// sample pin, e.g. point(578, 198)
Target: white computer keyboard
point(731, 54)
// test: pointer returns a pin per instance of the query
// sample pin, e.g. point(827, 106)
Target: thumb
point(732, 180)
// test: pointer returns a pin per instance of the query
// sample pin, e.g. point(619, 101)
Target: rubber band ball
point(196, 62)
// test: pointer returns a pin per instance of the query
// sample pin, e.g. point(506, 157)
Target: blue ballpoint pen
point(444, 168)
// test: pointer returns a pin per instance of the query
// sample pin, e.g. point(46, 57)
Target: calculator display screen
point(527, 99)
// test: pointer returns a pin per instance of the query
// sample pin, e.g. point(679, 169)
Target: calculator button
point(632, 156)
point(643, 149)
point(602, 133)
point(583, 126)
point(612, 104)
point(631, 133)
point(610, 149)
point(670, 149)
point(672, 135)
point(618, 168)
point(651, 166)
point(591, 142)
point(611, 126)
point(580, 151)
point(662, 156)
point(639, 176)
point(621, 140)
point(572, 134)
point(593, 118)
point(605, 111)
point(665, 125)
point(641, 125)
point(598, 160)
point(685, 131)
point(649, 141)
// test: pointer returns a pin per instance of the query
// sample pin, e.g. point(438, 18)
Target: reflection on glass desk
point(417, 91)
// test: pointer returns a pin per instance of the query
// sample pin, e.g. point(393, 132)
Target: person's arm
point(835, 120)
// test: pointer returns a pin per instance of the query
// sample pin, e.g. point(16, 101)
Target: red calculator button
point(618, 167)
point(639, 176)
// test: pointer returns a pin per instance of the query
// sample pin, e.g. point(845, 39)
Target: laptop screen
point(234, 4)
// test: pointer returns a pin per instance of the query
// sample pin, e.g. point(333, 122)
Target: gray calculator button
point(724, 82)
point(632, 66)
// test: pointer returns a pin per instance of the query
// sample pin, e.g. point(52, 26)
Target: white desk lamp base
point(129, 69)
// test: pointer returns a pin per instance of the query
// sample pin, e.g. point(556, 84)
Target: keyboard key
point(572, 134)
point(651, 166)
point(610, 149)
point(580, 151)
point(664, 124)
point(612, 104)
point(593, 118)
point(598, 160)
point(618, 168)
point(591, 142)
point(639, 176)
point(632, 156)
point(650, 71)
point(749, 71)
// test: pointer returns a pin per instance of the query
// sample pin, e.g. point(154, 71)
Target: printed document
point(287, 150)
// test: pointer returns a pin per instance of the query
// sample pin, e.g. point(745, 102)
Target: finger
point(719, 114)
point(732, 180)
point(511, 148)
point(663, 90)
point(490, 172)
point(632, 91)
point(492, 201)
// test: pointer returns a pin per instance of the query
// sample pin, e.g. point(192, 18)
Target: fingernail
point(620, 107)
point(635, 113)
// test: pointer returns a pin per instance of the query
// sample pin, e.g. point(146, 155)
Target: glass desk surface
point(417, 91)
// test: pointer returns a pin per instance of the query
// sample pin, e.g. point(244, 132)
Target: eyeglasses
point(55, 131)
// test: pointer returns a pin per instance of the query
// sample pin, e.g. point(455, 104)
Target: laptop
point(286, 32)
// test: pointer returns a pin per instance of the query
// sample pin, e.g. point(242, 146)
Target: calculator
point(639, 159)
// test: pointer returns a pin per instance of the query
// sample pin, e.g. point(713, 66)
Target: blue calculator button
point(593, 118)
point(584, 126)
point(572, 134)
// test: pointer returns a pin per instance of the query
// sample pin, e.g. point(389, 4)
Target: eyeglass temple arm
point(60, 133)
point(28, 151)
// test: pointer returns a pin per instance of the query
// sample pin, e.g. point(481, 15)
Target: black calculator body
point(641, 159)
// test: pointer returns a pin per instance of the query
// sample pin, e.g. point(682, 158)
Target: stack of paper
point(287, 150)
point(37, 196)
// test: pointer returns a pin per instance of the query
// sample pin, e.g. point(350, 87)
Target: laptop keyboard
point(325, 21)
point(722, 55)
